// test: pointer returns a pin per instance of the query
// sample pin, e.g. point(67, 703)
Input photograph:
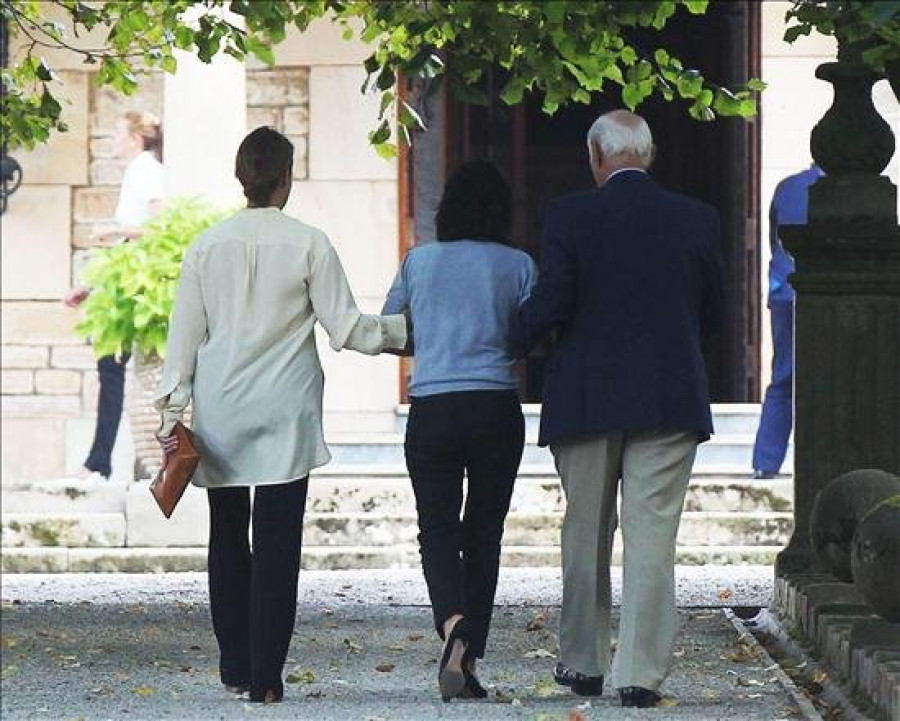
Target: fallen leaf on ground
point(307, 676)
point(540, 653)
point(743, 653)
point(9, 671)
point(724, 594)
point(539, 621)
point(351, 646)
point(710, 695)
point(415, 637)
point(143, 691)
point(318, 693)
point(398, 647)
point(545, 688)
point(749, 682)
point(576, 715)
point(385, 667)
point(502, 697)
point(667, 703)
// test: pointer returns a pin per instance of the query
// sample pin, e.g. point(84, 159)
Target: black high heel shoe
point(451, 675)
point(473, 688)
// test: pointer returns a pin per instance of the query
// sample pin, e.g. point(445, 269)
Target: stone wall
point(49, 378)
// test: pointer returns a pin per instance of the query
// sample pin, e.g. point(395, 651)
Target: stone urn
point(876, 558)
point(143, 417)
point(837, 511)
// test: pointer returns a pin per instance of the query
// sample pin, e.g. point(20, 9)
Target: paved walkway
point(141, 647)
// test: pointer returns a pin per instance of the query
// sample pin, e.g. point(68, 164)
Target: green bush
point(133, 284)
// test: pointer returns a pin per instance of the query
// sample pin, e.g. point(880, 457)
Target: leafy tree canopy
point(871, 27)
point(564, 49)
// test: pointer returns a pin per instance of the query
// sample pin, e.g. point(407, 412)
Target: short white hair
point(619, 133)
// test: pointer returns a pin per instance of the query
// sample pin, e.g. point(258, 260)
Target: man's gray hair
point(620, 133)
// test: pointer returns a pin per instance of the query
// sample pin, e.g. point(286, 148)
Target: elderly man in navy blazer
point(630, 281)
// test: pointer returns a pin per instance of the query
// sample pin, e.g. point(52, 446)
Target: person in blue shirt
point(788, 207)
point(465, 417)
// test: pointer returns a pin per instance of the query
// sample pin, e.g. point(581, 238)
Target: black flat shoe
point(269, 695)
point(639, 697)
point(451, 678)
point(580, 684)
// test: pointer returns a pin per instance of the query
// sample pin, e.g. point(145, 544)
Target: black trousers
point(480, 434)
point(253, 595)
point(111, 372)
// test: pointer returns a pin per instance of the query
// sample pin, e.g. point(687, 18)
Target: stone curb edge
point(809, 711)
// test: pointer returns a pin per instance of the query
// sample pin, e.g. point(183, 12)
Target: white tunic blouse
point(241, 346)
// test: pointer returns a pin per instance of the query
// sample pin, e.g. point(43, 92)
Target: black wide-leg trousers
point(253, 593)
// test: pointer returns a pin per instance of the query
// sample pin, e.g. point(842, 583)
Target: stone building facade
point(311, 94)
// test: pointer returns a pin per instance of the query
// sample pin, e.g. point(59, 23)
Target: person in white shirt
point(138, 139)
point(242, 349)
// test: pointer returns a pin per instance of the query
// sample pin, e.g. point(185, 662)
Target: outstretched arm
point(336, 310)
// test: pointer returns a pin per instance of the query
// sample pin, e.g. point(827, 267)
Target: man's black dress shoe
point(580, 684)
point(639, 697)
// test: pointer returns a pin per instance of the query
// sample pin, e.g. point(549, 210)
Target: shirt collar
point(623, 170)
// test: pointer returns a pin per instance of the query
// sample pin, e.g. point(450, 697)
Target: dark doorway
point(544, 157)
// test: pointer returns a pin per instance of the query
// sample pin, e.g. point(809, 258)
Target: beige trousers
point(654, 468)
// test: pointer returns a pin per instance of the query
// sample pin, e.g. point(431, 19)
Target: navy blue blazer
point(631, 280)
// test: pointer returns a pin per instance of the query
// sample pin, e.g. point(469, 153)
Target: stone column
point(205, 121)
point(847, 319)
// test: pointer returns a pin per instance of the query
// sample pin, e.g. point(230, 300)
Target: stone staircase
point(361, 513)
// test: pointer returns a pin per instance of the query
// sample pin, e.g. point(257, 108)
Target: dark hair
point(262, 158)
point(476, 204)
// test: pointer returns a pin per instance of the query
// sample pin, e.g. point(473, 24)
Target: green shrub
point(133, 284)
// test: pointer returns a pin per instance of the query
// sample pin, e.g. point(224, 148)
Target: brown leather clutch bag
point(177, 471)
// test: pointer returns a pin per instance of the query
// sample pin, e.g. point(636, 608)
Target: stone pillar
point(205, 121)
point(847, 319)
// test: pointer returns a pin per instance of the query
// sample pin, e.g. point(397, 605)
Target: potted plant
point(133, 289)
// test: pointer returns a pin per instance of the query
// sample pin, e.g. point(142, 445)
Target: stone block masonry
point(279, 98)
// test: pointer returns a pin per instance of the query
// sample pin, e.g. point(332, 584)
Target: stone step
point(387, 448)
point(70, 530)
point(728, 418)
point(727, 510)
point(394, 494)
point(542, 529)
point(146, 527)
point(159, 560)
point(64, 495)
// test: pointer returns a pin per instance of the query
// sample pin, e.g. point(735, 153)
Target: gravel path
point(141, 647)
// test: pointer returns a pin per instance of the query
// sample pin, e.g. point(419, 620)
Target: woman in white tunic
point(241, 346)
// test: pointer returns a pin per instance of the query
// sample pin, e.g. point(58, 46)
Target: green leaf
point(387, 98)
point(381, 135)
point(756, 85)
point(631, 96)
point(796, 31)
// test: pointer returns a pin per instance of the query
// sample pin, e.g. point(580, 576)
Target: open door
point(544, 157)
